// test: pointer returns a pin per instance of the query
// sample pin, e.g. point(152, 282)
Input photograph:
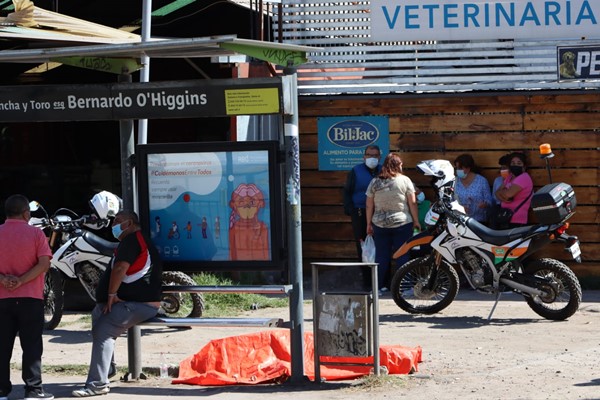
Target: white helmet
point(106, 204)
point(441, 171)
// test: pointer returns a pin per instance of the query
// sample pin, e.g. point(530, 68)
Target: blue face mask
point(117, 231)
point(460, 173)
point(420, 197)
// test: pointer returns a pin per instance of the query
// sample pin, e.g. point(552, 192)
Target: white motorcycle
point(492, 261)
point(80, 254)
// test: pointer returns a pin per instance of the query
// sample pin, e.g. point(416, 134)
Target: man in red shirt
point(24, 259)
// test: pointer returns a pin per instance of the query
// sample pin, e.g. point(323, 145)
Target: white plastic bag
point(368, 249)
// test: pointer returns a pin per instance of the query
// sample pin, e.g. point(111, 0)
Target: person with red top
point(24, 259)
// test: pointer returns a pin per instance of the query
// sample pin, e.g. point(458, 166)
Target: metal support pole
point(548, 169)
point(127, 151)
point(134, 334)
point(145, 72)
point(294, 223)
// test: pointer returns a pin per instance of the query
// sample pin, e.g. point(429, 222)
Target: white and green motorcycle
point(492, 261)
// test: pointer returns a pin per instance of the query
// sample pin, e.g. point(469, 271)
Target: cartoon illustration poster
point(211, 206)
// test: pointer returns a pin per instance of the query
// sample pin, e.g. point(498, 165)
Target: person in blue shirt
point(472, 189)
point(355, 189)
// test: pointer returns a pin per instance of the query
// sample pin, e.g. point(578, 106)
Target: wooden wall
point(444, 126)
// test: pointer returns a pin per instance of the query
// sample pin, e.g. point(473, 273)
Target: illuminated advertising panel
point(208, 206)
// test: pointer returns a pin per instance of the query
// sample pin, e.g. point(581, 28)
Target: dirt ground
point(516, 355)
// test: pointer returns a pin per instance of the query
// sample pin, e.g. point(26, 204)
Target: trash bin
point(346, 314)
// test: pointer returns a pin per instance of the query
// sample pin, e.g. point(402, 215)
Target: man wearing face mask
point(128, 293)
point(355, 198)
point(517, 190)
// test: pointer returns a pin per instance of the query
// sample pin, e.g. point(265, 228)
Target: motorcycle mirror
point(34, 206)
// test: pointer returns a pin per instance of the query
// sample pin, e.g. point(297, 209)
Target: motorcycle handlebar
point(68, 225)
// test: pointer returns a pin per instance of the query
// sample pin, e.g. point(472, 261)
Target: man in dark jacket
point(354, 193)
point(128, 293)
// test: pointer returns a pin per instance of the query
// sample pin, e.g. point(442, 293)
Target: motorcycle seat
point(497, 237)
point(104, 246)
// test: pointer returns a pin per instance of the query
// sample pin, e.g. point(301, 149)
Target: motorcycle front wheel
point(180, 305)
point(419, 287)
point(53, 299)
point(562, 291)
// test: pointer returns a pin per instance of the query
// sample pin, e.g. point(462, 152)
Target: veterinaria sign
point(395, 20)
point(581, 62)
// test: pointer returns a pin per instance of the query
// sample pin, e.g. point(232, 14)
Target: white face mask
point(420, 197)
point(371, 162)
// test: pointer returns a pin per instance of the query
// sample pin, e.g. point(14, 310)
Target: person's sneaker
point(382, 291)
point(37, 394)
point(88, 392)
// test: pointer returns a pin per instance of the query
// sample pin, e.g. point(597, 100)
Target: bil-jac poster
point(342, 140)
point(211, 205)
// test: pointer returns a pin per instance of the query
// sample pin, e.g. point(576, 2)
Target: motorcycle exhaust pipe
point(522, 288)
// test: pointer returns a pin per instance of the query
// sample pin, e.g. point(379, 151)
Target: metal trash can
point(345, 314)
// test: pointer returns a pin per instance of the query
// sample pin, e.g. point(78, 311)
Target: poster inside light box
point(212, 206)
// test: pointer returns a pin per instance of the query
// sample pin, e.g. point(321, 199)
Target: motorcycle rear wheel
point(562, 291)
point(180, 305)
point(53, 299)
point(410, 286)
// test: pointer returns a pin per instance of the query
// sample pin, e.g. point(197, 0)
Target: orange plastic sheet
point(265, 357)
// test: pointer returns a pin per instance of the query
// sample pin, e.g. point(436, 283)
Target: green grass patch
point(65, 369)
point(232, 304)
point(378, 383)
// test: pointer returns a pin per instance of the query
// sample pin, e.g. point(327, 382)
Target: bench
point(232, 322)
point(201, 321)
point(259, 289)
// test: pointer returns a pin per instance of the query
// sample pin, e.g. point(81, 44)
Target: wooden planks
point(444, 126)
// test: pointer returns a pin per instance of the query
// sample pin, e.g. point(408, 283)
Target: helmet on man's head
point(105, 204)
point(441, 171)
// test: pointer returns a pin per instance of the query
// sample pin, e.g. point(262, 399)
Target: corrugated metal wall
point(352, 63)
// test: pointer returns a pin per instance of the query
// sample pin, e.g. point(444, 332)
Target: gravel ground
point(516, 355)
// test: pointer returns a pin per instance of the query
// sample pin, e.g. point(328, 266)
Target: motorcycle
point(491, 261)
point(80, 254)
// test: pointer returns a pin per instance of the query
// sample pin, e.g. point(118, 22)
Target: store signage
point(176, 99)
point(405, 20)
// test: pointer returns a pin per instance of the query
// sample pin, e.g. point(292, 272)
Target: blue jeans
point(387, 241)
point(106, 328)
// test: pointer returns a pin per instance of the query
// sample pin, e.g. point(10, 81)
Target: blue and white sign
point(342, 140)
point(578, 62)
point(402, 20)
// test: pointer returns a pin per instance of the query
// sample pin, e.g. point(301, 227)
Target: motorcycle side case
point(553, 203)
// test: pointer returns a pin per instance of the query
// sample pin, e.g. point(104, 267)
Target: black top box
point(554, 203)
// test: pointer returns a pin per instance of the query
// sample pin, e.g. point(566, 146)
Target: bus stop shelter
point(68, 103)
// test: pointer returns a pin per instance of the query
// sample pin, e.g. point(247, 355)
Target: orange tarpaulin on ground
point(265, 357)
